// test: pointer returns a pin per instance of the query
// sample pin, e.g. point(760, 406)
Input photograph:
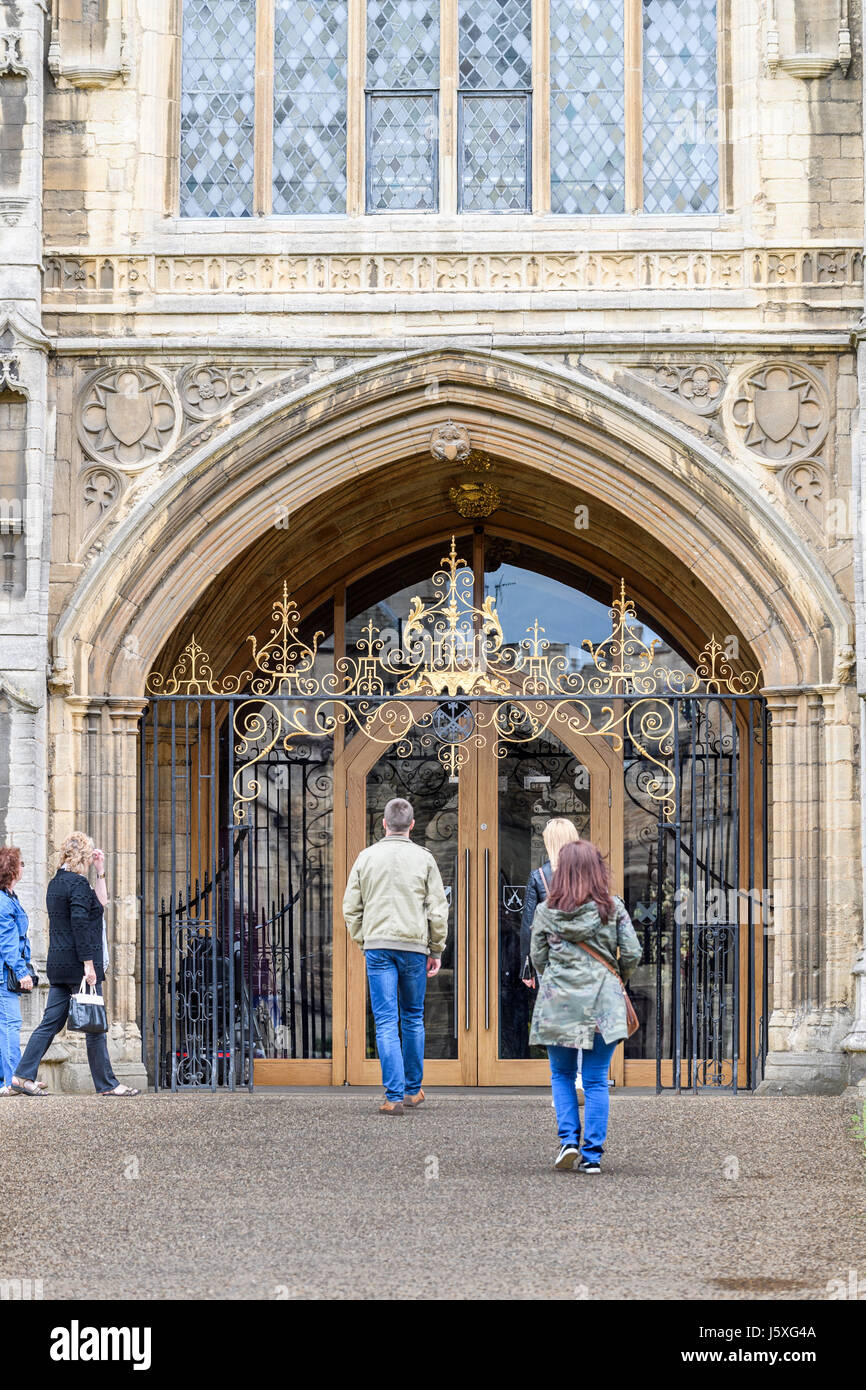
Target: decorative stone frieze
point(814, 269)
point(206, 391)
point(450, 443)
point(10, 371)
point(700, 385)
point(806, 484)
point(100, 489)
point(11, 210)
point(127, 416)
point(778, 412)
point(12, 62)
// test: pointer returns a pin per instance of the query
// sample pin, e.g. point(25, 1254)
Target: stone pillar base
point(805, 1074)
point(74, 1077)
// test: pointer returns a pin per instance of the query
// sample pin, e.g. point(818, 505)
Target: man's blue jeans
point(563, 1070)
point(398, 984)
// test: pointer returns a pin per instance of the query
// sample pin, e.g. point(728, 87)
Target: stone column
point(815, 859)
point(855, 1041)
point(95, 790)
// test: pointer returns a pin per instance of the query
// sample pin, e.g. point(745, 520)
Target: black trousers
point(46, 1031)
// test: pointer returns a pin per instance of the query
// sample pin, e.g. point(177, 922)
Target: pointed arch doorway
point(247, 972)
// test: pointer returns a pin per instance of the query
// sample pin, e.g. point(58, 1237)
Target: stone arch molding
point(205, 511)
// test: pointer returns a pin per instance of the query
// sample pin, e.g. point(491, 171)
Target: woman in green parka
point(581, 998)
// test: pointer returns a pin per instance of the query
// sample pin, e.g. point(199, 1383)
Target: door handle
point(466, 931)
point(487, 938)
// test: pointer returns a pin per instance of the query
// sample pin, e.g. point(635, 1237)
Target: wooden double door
point(484, 827)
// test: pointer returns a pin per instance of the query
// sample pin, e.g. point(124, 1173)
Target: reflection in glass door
point(536, 781)
point(519, 792)
point(417, 774)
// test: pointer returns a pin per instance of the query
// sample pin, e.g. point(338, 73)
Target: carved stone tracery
point(127, 417)
point(699, 385)
point(207, 390)
point(779, 412)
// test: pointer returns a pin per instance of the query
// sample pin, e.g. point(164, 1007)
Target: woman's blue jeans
point(10, 1031)
point(563, 1070)
point(398, 985)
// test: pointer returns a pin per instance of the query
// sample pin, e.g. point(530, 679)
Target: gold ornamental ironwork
point(456, 684)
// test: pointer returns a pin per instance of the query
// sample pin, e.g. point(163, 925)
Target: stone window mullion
point(355, 136)
point(541, 106)
point(264, 128)
point(448, 115)
point(633, 105)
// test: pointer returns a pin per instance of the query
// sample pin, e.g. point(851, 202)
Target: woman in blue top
point(14, 953)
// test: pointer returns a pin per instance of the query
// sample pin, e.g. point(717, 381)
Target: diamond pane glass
point(310, 46)
point(587, 107)
point(681, 159)
point(494, 165)
point(401, 153)
point(402, 43)
point(495, 43)
point(217, 108)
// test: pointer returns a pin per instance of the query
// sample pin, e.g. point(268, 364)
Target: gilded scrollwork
point(454, 650)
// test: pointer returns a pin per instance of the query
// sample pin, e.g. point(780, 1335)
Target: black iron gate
point(236, 860)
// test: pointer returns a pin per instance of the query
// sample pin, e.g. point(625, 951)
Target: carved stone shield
point(128, 410)
point(777, 405)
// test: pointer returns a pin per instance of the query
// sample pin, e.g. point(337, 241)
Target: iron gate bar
point(693, 955)
point(750, 978)
point(735, 926)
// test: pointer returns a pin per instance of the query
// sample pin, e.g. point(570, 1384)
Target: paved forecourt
point(314, 1195)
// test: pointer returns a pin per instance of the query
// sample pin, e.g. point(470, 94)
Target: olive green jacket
point(577, 993)
point(394, 900)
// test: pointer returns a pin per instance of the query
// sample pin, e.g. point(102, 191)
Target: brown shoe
point(414, 1101)
point(391, 1107)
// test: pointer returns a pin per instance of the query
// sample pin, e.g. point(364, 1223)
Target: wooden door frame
point(359, 759)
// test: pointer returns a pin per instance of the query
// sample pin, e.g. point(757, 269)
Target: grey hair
point(399, 815)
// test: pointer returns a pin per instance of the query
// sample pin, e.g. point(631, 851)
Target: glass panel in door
point(415, 772)
point(536, 781)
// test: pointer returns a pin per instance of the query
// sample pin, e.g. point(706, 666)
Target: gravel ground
point(314, 1195)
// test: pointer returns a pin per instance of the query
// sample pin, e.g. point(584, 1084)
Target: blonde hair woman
point(76, 950)
point(556, 833)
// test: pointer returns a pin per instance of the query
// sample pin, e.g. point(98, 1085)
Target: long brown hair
point(10, 866)
point(581, 875)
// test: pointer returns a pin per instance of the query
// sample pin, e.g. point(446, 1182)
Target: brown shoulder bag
point(632, 1022)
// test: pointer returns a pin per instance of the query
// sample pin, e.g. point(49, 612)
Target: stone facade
point(182, 378)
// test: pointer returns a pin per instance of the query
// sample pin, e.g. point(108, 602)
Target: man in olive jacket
point(395, 908)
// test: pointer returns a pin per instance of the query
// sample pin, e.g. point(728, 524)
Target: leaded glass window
point(495, 76)
point(681, 160)
point(310, 60)
point(217, 108)
point(587, 107)
point(278, 116)
point(402, 105)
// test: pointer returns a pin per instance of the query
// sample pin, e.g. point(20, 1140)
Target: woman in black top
point(556, 833)
point(76, 951)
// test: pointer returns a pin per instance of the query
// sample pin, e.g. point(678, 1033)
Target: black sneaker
point(589, 1165)
point(567, 1156)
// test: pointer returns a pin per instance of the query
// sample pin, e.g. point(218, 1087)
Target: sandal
point(28, 1088)
point(123, 1092)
